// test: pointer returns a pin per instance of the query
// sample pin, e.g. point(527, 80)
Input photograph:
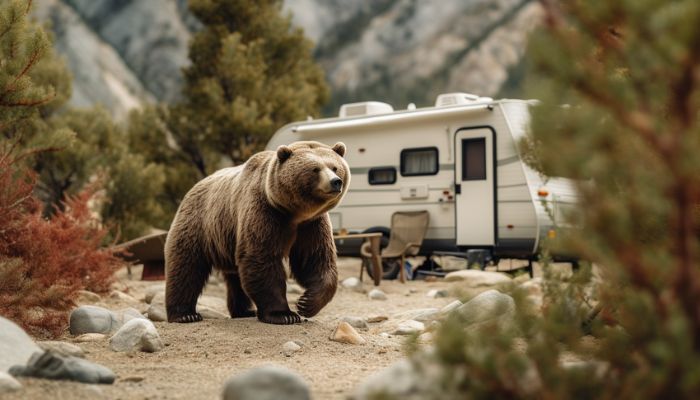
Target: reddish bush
point(44, 262)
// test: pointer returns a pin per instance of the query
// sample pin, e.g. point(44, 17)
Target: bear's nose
point(336, 184)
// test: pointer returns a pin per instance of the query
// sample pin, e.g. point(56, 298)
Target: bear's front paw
point(186, 318)
point(279, 317)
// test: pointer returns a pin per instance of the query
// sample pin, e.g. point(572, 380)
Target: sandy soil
point(198, 358)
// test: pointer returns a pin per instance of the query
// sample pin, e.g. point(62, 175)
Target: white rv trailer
point(460, 160)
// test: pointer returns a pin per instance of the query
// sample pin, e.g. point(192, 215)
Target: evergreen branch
point(27, 103)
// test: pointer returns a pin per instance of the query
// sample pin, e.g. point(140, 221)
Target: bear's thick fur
point(246, 220)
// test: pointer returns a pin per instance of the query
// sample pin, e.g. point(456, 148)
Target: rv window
point(382, 176)
point(473, 159)
point(421, 161)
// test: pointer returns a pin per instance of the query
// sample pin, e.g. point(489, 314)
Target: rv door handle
point(458, 188)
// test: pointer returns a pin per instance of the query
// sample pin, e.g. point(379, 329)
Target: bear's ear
point(283, 153)
point(339, 148)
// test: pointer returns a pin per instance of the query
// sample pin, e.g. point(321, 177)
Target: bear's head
point(307, 178)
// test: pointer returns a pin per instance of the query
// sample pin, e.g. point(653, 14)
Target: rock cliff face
point(124, 53)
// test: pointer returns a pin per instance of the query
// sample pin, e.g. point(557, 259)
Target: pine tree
point(251, 73)
point(619, 91)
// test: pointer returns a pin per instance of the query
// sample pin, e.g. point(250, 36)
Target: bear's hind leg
point(239, 304)
point(186, 276)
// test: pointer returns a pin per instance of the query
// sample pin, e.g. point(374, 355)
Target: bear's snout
point(336, 184)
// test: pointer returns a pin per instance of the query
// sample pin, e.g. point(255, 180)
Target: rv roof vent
point(365, 108)
point(453, 99)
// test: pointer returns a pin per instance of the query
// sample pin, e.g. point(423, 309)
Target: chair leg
point(402, 270)
point(362, 267)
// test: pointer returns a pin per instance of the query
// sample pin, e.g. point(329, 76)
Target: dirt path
point(199, 357)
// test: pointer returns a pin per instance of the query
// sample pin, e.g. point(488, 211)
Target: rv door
point(474, 187)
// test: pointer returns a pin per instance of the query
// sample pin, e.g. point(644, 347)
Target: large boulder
point(50, 365)
point(16, 347)
point(404, 380)
point(266, 383)
point(487, 307)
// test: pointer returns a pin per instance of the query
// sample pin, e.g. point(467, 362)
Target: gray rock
point(135, 335)
point(450, 307)
point(356, 322)
point(409, 327)
point(16, 347)
point(50, 365)
point(123, 297)
point(92, 319)
point(353, 283)
point(269, 382)
point(476, 278)
point(488, 306)
point(210, 313)
point(8, 383)
point(157, 313)
point(376, 294)
point(153, 290)
point(128, 314)
point(62, 348)
point(87, 297)
point(437, 293)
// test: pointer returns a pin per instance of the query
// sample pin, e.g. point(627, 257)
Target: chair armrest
point(365, 249)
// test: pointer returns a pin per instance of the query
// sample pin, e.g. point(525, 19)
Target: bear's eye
point(335, 169)
point(317, 170)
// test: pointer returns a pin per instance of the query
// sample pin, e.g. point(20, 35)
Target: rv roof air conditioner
point(455, 99)
point(365, 108)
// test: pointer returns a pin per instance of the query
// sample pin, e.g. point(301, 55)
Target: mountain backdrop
point(126, 53)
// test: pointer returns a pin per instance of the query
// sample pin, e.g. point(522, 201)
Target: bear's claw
point(188, 318)
point(280, 318)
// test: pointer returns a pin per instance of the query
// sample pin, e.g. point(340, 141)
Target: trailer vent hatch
point(454, 99)
point(365, 108)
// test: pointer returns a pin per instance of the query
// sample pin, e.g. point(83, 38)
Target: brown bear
point(246, 220)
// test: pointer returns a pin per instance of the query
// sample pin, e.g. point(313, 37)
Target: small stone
point(435, 293)
point(269, 382)
point(409, 327)
point(356, 322)
point(92, 319)
point(385, 335)
point(290, 347)
point(293, 288)
point(137, 334)
point(128, 314)
point(8, 383)
point(377, 318)
point(353, 283)
point(153, 290)
point(62, 348)
point(210, 313)
point(376, 294)
point(420, 314)
point(246, 351)
point(412, 290)
point(450, 307)
point(477, 278)
point(121, 296)
point(90, 337)
point(87, 297)
point(16, 347)
point(345, 333)
point(157, 313)
point(50, 365)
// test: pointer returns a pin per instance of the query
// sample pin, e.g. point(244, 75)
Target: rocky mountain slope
point(125, 53)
